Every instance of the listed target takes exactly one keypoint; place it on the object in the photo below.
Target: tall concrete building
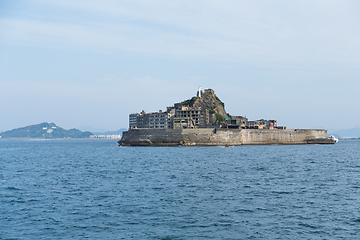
(150, 120)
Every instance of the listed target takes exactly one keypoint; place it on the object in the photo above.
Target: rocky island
(203, 121)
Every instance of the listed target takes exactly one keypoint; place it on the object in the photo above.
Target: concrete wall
(276, 136)
(221, 137)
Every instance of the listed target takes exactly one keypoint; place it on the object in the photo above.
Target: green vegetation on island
(209, 101)
(189, 102)
(44, 131)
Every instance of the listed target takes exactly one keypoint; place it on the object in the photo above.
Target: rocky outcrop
(209, 101)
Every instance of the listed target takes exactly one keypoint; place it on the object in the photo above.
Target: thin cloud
(109, 78)
(235, 31)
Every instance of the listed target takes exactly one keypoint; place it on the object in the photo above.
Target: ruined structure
(202, 120)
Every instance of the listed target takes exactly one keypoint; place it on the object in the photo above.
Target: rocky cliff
(209, 101)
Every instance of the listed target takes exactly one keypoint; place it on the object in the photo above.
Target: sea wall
(222, 137)
(283, 136)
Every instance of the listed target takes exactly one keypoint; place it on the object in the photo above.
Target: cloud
(236, 31)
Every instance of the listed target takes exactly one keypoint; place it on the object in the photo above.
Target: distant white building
(113, 136)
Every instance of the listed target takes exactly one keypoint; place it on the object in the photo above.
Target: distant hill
(347, 133)
(46, 131)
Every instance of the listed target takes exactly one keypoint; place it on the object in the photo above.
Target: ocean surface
(97, 190)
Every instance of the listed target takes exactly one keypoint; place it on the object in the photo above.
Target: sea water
(97, 190)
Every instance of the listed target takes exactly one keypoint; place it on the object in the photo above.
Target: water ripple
(96, 190)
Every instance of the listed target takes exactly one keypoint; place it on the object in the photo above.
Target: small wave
(169, 238)
(308, 225)
(244, 211)
(13, 188)
(17, 201)
(282, 192)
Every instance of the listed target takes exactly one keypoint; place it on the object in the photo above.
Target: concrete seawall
(222, 137)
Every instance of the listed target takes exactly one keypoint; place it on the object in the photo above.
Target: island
(203, 121)
(44, 131)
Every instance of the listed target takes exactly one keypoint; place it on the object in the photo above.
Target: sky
(89, 64)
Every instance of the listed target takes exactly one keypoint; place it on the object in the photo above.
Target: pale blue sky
(79, 63)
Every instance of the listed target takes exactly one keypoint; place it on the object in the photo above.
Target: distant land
(44, 131)
(97, 131)
(346, 133)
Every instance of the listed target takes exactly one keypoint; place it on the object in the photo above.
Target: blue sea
(97, 190)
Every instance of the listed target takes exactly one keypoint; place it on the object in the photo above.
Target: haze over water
(96, 190)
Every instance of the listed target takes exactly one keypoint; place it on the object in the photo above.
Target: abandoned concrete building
(150, 120)
(186, 117)
(182, 115)
(236, 122)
